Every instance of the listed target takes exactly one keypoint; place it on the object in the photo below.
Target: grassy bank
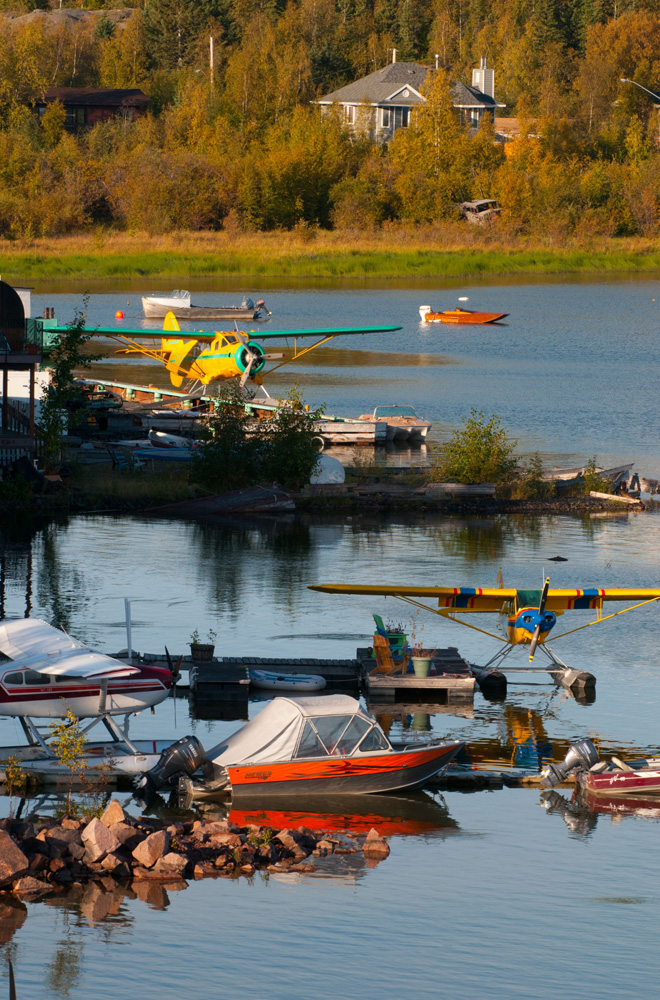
(448, 251)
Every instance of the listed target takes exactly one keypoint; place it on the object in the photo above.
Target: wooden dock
(227, 678)
(452, 681)
(446, 690)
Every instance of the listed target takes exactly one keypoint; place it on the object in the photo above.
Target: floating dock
(451, 681)
(227, 678)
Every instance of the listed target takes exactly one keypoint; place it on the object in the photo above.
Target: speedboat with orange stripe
(308, 746)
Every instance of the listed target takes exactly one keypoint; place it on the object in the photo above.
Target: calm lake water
(510, 893)
(571, 371)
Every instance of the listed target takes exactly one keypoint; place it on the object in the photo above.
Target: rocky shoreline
(50, 856)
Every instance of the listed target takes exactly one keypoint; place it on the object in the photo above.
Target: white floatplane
(44, 673)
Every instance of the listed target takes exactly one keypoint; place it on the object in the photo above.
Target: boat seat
(384, 660)
(620, 764)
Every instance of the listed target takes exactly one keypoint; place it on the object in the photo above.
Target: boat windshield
(375, 740)
(331, 735)
(395, 411)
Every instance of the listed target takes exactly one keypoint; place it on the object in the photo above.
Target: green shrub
(479, 453)
(530, 484)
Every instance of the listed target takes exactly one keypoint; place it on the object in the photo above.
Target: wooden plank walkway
(445, 689)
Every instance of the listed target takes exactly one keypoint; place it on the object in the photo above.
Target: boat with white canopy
(316, 745)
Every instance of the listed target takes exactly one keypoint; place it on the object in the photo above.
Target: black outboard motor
(580, 757)
(182, 758)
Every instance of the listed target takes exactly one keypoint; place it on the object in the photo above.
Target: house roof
(380, 86)
(389, 85)
(88, 97)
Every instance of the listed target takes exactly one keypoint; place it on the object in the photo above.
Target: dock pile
(49, 856)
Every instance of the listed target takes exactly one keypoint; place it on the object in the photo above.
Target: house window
(73, 117)
(401, 118)
(386, 117)
(350, 114)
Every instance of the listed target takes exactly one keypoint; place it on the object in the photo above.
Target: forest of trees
(247, 150)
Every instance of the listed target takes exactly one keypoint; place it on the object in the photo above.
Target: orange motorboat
(458, 315)
(312, 746)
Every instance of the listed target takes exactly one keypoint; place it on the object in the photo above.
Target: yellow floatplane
(529, 615)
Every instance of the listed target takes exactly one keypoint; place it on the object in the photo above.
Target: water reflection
(581, 811)
(12, 917)
(392, 815)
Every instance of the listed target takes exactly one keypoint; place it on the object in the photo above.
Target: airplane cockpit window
(13, 679)
(34, 677)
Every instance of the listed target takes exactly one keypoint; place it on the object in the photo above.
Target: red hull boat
(605, 777)
(629, 778)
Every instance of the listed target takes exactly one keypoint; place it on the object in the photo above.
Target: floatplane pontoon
(44, 673)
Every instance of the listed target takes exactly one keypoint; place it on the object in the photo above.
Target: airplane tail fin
(170, 323)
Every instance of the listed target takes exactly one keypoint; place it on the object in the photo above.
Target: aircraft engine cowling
(245, 356)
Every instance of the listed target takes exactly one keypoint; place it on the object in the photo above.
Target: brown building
(85, 107)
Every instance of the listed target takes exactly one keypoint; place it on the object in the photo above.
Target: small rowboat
(268, 680)
(458, 315)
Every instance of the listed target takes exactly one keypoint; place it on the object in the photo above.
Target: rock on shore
(48, 856)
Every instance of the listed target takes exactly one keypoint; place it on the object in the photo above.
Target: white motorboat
(269, 680)
(179, 303)
(402, 422)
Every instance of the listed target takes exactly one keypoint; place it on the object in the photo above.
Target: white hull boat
(402, 422)
(179, 303)
(109, 758)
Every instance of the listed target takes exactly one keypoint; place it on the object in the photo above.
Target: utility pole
(623, 79)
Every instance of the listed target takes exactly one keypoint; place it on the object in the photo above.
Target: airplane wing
(253, 335)
(572, 599)
(466, 599)
(493, 599)
(337, 331)
(32, 642)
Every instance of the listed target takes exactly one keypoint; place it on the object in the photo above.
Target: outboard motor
(182, 758)
(580, 757)
(247, 303)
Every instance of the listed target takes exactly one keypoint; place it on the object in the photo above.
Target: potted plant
(397, 638)
(421, 657)
(202, 652)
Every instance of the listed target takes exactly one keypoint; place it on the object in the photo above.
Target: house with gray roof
(385, 101)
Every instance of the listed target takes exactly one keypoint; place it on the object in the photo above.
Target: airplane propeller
(537, 630)
(254, 357)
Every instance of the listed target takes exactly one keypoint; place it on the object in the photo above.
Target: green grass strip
(431, 263)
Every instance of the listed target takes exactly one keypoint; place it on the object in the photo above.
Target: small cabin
(85, 107)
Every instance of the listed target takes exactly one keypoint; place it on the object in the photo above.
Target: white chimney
(393, 55)
(437, 61)
(483, 78)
